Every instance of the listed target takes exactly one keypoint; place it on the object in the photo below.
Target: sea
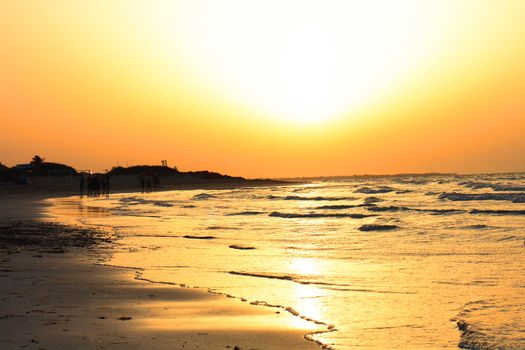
(399, 262)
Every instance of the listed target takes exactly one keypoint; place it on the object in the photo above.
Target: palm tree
(37, 160)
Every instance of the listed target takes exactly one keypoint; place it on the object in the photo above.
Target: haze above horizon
(266, 88)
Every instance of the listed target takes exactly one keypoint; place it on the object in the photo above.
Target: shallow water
(439, 264)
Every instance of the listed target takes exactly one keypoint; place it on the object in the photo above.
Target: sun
(300, 62)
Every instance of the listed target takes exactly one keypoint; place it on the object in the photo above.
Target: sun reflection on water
(304, 266)
(306, 295)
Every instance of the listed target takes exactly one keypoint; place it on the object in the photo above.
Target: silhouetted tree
(37, 160)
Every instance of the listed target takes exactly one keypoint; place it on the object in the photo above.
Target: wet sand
(56, 292)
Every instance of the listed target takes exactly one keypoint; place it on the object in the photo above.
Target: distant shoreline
(387, 176)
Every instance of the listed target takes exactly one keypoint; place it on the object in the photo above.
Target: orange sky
(265, 88)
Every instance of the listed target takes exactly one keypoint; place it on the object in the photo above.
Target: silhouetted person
(107, 185)
(99, 184)
(148, 183)
(102, 180)
(95, 186)
(90, 185)
(142, 179)
(81, 185)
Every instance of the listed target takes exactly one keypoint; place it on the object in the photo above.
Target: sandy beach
(56, 292)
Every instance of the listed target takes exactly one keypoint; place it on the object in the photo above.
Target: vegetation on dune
(5, 173)
(37, 160)
(209, 175)
(39, 167)
(45, 168)
(143, 169)
(164, 171)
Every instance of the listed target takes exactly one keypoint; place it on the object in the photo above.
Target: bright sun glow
(302, 62)
(266, 88)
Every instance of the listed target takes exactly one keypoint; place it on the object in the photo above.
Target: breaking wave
(245, 213)
(375, 227)
(393, 208)
(370, 200)
(303, 198)
(495, 187)
(488, 333)
(512, 197)
(324, 285)
(390, 208)
(497, 212)
(198, 237)
(370, 190)
(221, 228)
(129, 201)
(241, 247)
(318, 215)
(203, 196)
(340, 207)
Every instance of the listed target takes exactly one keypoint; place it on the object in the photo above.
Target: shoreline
(40, 285)
(26, 201)
(41, 189)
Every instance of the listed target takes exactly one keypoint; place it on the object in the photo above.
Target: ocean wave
(370, 200)
(497, 212)
(262, 275)
(198, 237)
(152, 235)
(241, 247)
(324, 285)
(203, 196)
(477, 227)
(162, 204)
(303, 198)
(339, 207)
(390, 208)
(393, 208)
(479, 332)
(138, 213)
(370, 190)
(376, 227)
(472, 339)
(403, 191)
(512, 197)
(221, 228)
(495, 187)
(245, 213)
(129, 201)
(508, 238)
(318, 215)
(442, 211)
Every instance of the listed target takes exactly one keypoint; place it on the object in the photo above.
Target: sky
(265, 88)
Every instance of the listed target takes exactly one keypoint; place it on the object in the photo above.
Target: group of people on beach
(96, 185)
(149, 182)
